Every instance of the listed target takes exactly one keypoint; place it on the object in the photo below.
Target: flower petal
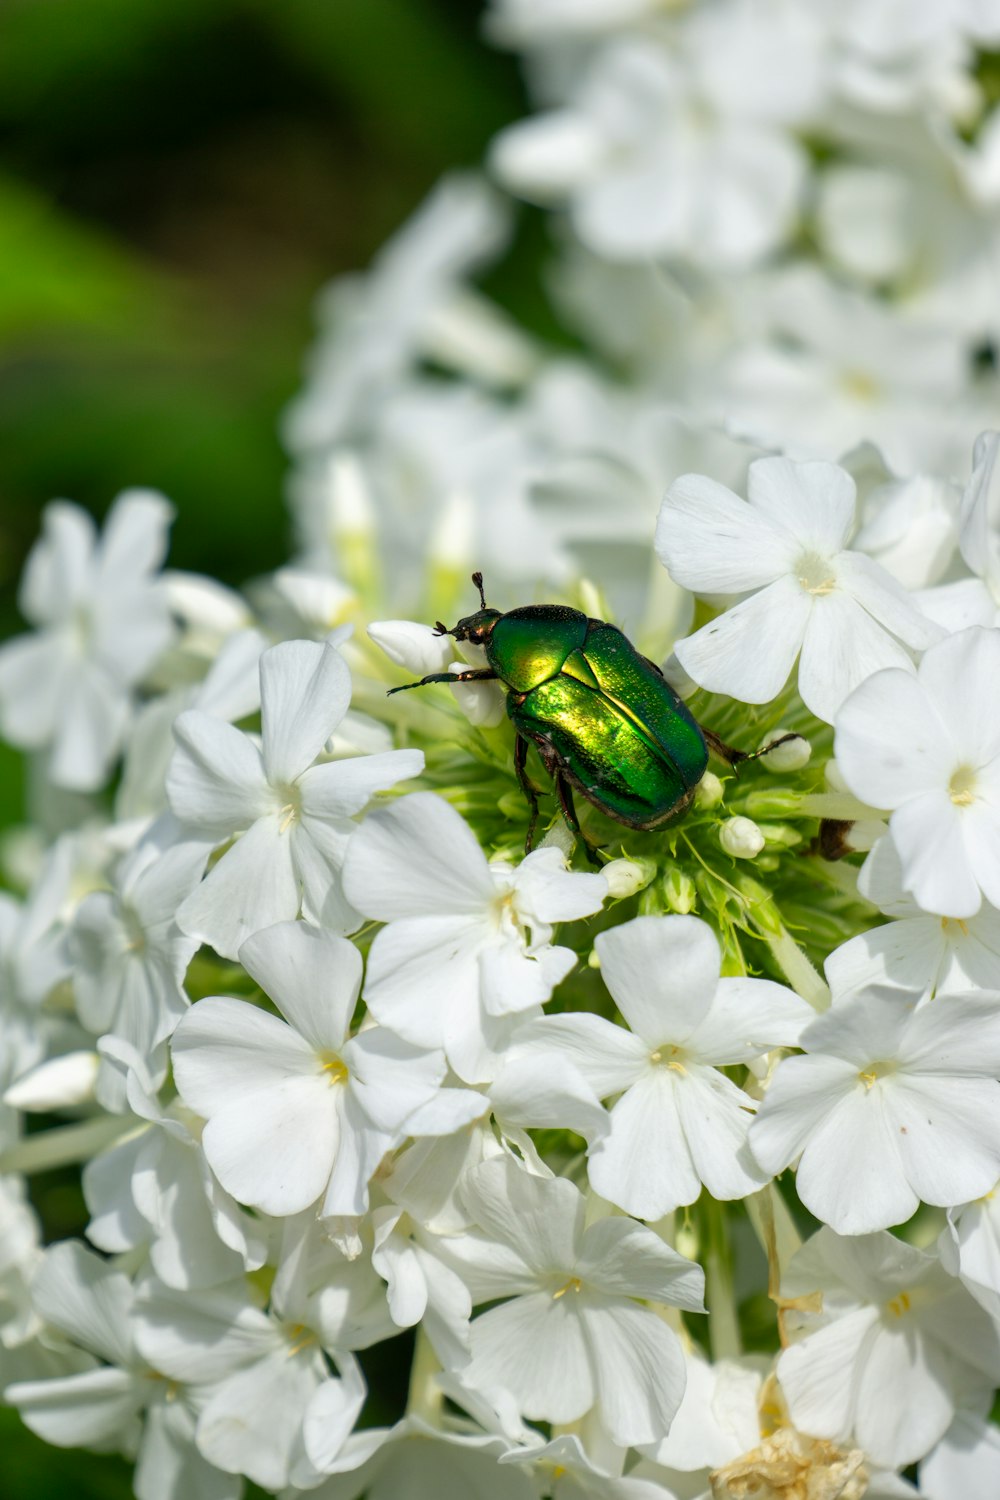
(305, 690)
(419, 833)
(712, 542)
(662, 972)
(312, 976)
(749, 651)
(253, 886)
(216, 782)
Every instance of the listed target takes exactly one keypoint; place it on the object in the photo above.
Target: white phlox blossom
(467, 943)
(678, 1122)
(924, 955)
(969, 1247)
(298, 1109)
(664, 155)
(101, 621)
(110, 1397)
(887, 1106)
(261, 1372)
(129, 956)
(153, 1190)
(927, 747)
(809, 596)
(292, 809)
(33, 961)
(966, 1462)
(896, 1349)
(570, 1335)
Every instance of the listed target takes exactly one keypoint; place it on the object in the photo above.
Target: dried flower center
(815, 574)
(962, 786)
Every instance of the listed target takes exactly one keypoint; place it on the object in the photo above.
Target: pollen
(669, 1059)
(899, 1305)
(574, 1284)
(815, 574)
(334, 1067)
(870, 1076)
(962, 786)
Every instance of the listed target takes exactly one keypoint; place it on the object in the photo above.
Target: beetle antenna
(440, 629)
(477, 579)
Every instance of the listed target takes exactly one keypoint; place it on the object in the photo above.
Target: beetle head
(475, 628)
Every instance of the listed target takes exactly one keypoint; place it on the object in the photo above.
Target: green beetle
(603, 718)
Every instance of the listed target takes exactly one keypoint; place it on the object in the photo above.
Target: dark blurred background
(177, 180)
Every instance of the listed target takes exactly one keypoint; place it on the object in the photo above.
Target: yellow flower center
(962, 786)
(870, 1076)
(334, 1067)
(669, 1057)
(815, 574)
(574, 1284)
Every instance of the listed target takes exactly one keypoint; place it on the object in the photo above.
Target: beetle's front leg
(477, 674)
(738, 757)
(520, 768)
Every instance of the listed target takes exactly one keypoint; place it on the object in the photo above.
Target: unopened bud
(416, 647)
(741, 838)
(791, 756)
(58, 1083)
(679, 891)
(626, 876)
(709, 791)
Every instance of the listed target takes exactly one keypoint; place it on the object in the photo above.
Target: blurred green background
(178, 178)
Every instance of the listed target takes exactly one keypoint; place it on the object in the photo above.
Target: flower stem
(63, 1145)
(720, 1293)
(425, 1397)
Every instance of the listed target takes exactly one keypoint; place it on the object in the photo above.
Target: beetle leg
(520, 768)
(568, 806)
(478, 674)
(738, 757)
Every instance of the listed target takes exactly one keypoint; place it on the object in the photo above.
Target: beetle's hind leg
(739, 757)
(565, 792)
(520, 768)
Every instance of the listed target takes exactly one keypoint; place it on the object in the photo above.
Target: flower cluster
(661, 1160)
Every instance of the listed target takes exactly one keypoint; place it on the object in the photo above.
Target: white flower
(966, 1462)
(421, 1462)
(892, 1105)
(834, 368)
(129, 956)
(101, 1405)
(259, 1374)
(101, 621)
(375, 326)
(658, 157)
(926, 956)
(467, 943)
(292, 809)
(571, 1336)
(928, 748)
(969, 1247)
(153, 1189)
(32, 962)
(678, 1122)
(836, 610)
(897, 1346)
(297, 1109)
